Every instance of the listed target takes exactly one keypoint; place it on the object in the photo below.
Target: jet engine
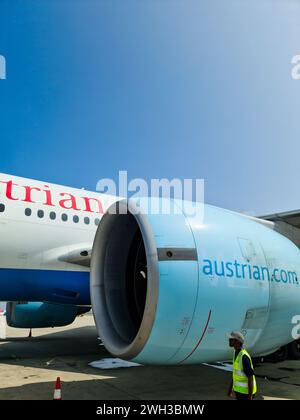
(168, 288)
(41, 314)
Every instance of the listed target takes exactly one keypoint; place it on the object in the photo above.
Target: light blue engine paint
(187, 320)
(39, 314)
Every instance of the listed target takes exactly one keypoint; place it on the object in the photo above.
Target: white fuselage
(46, 238)
(41, 222)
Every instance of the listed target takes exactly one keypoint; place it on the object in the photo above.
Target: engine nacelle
(166, 289)
(41, 314)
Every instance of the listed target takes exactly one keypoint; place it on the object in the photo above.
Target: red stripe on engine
(200, 339)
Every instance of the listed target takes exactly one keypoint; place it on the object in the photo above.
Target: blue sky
(160, 88)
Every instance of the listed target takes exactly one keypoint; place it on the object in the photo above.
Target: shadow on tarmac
(66, 353)
(76, 341)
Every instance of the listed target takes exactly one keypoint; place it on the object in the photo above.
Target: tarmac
(30, 366)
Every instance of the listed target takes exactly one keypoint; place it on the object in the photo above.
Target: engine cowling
(167, 288)
(41, 314)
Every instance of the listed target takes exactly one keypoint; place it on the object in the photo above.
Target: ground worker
(243, 380)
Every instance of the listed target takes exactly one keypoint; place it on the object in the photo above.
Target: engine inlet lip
(131, 350)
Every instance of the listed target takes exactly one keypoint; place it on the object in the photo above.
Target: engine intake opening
(124, 281)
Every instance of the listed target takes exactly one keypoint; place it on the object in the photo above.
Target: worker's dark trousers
(240, 396)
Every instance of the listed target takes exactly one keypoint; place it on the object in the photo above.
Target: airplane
(46, 237)
(163, 288)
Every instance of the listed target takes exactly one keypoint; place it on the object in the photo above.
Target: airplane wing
(290, 217)
(287, 223)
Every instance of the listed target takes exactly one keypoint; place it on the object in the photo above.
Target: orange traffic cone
(57, 391)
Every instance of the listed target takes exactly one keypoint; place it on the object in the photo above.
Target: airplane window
(64, 217)
(75, 219)
(87, 220)
(28, 211)
(52, 215)
(40, 213)
(2, 208)
(97, 221)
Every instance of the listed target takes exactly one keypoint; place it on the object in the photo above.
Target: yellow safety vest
(240, 380)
